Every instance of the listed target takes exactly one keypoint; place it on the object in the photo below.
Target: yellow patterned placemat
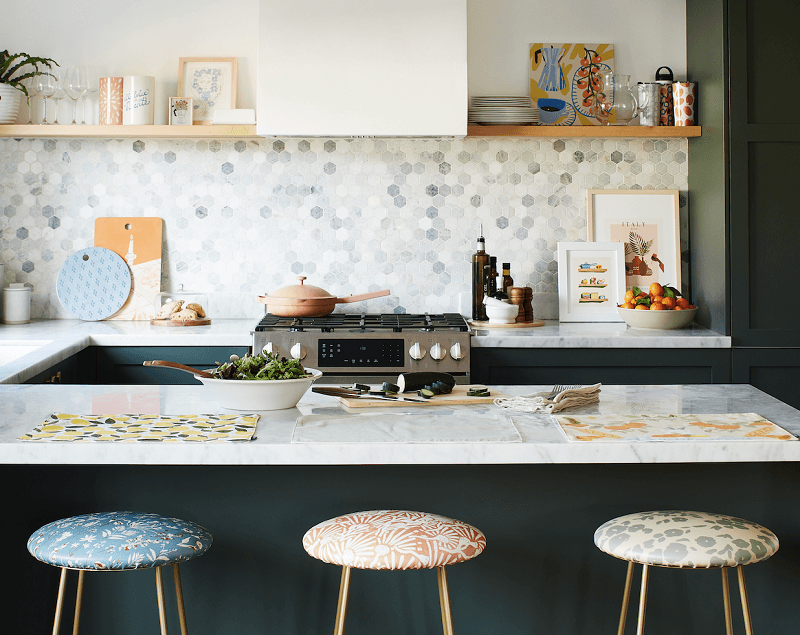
(747, 426)
(150, 428)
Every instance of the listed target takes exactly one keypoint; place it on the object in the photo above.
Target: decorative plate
(93, 283)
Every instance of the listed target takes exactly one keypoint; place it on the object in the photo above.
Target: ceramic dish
(278, 394)
(657, 319)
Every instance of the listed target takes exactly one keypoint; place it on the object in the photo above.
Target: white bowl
(255, 394)
(505, 314)
(657, 319)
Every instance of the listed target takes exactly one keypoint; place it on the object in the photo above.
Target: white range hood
(347, 68)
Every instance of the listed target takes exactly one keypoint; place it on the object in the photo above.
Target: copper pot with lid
(305, 300)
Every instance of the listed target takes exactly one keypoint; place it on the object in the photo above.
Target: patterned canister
(666, 80)
(685, 96)
(138, 99)
(110, 101)
(649, 98)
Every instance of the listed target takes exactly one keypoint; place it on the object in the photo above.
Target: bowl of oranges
(661, 307)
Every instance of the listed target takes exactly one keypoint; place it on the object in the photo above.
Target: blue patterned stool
(686, 540)
(118, 541)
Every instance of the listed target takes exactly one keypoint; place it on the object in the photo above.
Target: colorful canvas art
(566, 84)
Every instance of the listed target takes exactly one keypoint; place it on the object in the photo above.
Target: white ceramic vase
(9, 104)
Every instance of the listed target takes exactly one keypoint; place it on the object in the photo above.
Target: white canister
(138, 100)
(649, 98)
(17, 303)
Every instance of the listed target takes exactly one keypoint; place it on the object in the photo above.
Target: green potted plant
(12, 75)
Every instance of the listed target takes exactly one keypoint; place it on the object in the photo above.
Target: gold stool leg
(444, 601)
(643, 599)
(179, 597)
(626, 596)
(62, 587)
(78, 603)
(726, 601)
(341, 609)
(162, 613)
(748, 625)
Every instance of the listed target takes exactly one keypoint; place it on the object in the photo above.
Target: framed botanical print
(211, 84)
(591, 281)
(647, 222)
(180, 111)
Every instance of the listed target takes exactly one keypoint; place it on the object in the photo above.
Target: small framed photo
(648, 223)
(180, 111)
(211, 84)
(591, 281)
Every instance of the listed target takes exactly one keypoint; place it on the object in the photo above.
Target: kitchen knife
(354, 394)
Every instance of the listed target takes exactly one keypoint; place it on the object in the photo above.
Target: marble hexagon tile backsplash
(243, 218)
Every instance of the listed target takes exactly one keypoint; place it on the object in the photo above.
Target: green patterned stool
(686, 540)
(119, 541)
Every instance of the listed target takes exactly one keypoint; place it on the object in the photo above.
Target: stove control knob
(268, 348)
(456, 352)
(298, 351)
(437, 352)
(416, 351)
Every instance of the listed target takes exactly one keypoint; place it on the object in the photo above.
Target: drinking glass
(60, 92)
(30, 86)
(93, 82)
(45, 86)
(76, 85)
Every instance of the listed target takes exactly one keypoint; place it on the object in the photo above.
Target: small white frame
(604, 284)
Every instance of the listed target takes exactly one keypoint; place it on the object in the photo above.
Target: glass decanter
(618, 104)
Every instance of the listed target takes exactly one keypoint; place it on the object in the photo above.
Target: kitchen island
(538, 502)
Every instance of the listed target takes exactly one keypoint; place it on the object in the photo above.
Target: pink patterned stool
(393, 539)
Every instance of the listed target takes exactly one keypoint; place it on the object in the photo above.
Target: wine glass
(60, 92)
(45, 86)
(30, 86)
(93, 82)
(76, 85)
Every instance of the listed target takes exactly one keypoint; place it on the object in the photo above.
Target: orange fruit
(691, 306)
(641, 295)
(629, 305)
(628, 296)
(657, 298)
(678, 308)
(656, 289)
(657, 306)
(669, 303)
(682, 302)
(642, 307)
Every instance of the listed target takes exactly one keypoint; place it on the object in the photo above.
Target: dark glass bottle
(479, 259)
(508, 281)
(493, 276)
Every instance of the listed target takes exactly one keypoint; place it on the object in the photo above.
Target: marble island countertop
(28, 349)
(25, 406)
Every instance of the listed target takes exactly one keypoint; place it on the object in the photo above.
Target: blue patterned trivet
(93, 283)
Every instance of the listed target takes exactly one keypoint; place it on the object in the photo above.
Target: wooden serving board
(203, 322)
(478, 324)
(456, 398)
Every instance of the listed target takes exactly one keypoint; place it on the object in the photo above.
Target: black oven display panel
(364, 353)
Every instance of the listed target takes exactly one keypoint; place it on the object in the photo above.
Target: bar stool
(396, 540)
(686, 540)
(119, 541)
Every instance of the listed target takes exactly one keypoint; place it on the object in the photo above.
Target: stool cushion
(687, 540)
(118, 540)
(392, 539)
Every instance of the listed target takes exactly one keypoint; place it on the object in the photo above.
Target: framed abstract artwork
(591, 281)
(647, 222)
(211, 84)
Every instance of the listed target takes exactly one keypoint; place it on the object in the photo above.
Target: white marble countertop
(28, 349)
(25, 406)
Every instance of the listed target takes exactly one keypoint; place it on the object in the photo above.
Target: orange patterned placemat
(747, 426)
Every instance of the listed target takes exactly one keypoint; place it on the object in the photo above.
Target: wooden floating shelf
(79, 131)
(249, 132)
(593, 132)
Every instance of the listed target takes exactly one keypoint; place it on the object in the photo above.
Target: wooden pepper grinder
(522, 297)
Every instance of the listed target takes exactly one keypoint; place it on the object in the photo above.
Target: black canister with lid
(666, 112)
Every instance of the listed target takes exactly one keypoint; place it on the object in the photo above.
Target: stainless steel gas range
(370, 348)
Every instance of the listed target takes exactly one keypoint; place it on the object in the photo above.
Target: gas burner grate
(396, 322)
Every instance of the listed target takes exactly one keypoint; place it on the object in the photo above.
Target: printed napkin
(147, 428)
(661, 427)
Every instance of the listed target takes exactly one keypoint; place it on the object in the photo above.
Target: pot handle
(363, 296)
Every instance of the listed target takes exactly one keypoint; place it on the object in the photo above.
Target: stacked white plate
(499, 110)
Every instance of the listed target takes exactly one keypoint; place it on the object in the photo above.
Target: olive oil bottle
(479, 259)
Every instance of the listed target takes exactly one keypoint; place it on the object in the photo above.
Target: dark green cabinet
(64, 372)
(123, 364)
(536, 366)
(776, 371)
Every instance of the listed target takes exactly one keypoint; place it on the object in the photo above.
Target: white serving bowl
(254, 394)
(501, 313)
(657, 319)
